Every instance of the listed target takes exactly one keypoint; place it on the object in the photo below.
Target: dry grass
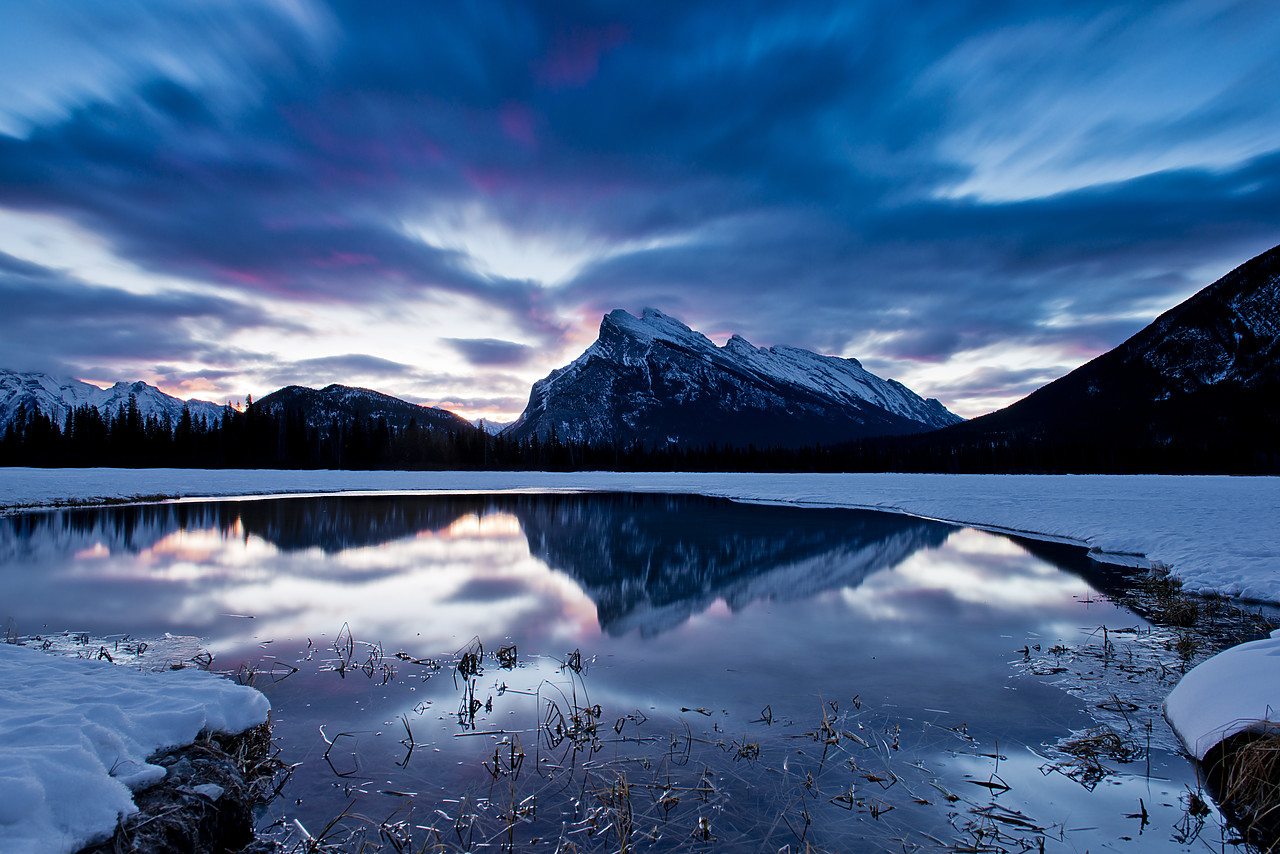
(1244, 773)
(569, 775)
(1085, 754)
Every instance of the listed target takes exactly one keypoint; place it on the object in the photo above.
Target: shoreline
(1217, 534)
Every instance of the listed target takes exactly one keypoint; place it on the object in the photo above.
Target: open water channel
(605, 671)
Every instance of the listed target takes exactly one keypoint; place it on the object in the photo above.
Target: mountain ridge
(654, 380)
(324, 407)
(58, 396)
(1200, 382)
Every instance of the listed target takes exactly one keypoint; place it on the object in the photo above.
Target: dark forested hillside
(1197, 390)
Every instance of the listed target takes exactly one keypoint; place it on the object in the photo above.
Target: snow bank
(1216, 533)
(1237, 690)
(75, 735)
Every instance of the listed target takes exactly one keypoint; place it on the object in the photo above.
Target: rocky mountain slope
(653, 380)
(1203, 378)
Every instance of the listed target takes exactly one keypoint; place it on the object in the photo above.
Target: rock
(205, 803)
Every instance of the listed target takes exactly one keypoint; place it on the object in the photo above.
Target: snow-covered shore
(75, 735)
(1235, 691)
(1215, 533)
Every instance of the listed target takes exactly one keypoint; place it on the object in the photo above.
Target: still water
(594, 671)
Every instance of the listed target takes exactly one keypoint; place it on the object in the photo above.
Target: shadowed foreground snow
(1216, 533)
(75, 735)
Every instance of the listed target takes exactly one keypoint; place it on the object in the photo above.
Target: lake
(560, 671)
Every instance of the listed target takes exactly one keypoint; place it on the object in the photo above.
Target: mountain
(339, 404)
(57, 396)
(654, 380)
(493, 428)
(1201, 384)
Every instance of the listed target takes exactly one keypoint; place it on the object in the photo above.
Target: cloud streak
(52, 320)
(491, 351)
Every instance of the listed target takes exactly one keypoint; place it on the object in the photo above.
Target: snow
(57, 396)
(1235, 691)
(839, 379)
(653, 325)
(75, 735)
(493, 428)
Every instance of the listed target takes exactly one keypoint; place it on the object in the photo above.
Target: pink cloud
(336, 260)
(517, 124)
(246, 277)
(574, 57)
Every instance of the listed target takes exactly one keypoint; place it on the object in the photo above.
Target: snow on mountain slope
(840, 379)
(493, 428)
(655, 380)
(1227, 333)
(58, 396)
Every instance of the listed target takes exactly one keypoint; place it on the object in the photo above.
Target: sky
(441, 200)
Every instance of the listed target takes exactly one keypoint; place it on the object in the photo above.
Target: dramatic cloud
(490, 351)
(909, 183)
(354, 363)
(53, 321)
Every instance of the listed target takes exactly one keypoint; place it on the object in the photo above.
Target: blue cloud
(490, 351)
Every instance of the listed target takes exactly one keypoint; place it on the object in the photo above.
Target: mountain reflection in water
(647, 562)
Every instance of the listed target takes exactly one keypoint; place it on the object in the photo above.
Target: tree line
(258, 437)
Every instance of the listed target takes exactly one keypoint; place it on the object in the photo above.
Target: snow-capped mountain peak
(626, 337)
(651, 378)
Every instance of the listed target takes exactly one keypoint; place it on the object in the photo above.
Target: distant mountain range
(321, 408)
(57, 396)
(650, 379)
(655, 381)
(493, 428)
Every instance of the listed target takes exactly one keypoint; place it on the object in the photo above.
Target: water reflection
(646, 563)
(695, 614)
(650, 564)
